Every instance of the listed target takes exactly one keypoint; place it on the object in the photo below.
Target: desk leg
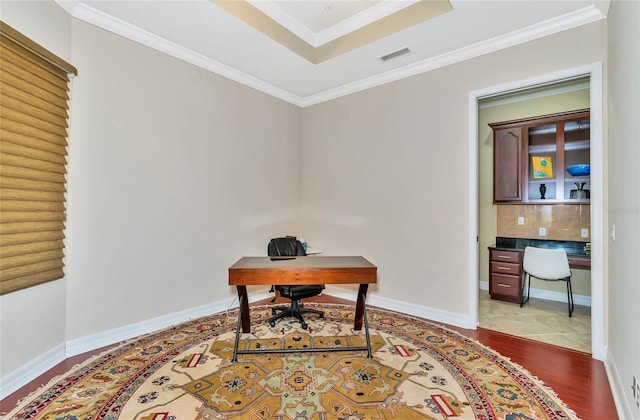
(238, 325)
(360, 311)
(361, 316)
(243, 301)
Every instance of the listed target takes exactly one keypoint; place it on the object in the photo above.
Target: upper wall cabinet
(542, 159)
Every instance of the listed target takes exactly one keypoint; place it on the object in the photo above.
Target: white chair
(546, 264)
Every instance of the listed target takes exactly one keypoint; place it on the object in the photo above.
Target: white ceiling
(200, 32)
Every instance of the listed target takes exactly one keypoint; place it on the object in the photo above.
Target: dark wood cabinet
(507, 169)
(505, 275)
(555, 140)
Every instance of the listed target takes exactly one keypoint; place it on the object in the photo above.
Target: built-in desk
(505, 263)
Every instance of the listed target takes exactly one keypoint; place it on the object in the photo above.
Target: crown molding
(565, 22)
(88, 14)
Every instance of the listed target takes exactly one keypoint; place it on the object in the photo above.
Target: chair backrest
(287, 246)
(548, 264)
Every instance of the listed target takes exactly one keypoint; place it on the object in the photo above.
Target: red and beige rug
(419, 370)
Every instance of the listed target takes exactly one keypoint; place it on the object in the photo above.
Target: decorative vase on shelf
(543, 191)
(580, 193)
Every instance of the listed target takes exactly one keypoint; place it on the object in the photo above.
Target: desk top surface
(301, 262)
(302, 270)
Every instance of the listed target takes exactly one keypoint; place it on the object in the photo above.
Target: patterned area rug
(419, 370)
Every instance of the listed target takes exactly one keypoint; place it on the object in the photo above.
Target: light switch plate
(520, 220)
(542, 231)
(584, 233)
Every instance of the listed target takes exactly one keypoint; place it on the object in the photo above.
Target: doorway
(592, 76)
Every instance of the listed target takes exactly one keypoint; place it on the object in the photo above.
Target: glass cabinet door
(543, 163)
(577, 159)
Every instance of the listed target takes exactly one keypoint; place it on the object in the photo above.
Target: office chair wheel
(272, 323)
(321, 316)
(305, 326)
(273, 311)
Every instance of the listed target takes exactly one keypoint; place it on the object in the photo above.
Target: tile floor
(540, 320)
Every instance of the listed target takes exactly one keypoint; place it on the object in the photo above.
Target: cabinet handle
(504, 268)
(506, 257)
(504, 285)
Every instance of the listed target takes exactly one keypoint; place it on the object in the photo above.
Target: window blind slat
(23, 270)
(24, 97)
(19, 283)
(30, 238)
(29, 259)
(29, 173)
(27, 130)
(27, 141)
(25, 110)
(33, 157)
(23, 205)
(30, 216)
(25, 232)
(25, 118)
(15, 82)
(32, 247)
(31, 195)
(32, 153)
(30, 184)
(24, 162)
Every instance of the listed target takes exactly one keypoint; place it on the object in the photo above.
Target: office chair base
(294, 311)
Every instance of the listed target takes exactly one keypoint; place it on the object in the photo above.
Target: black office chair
(286, 247)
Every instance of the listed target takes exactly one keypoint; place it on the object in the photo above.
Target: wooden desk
(249, 271)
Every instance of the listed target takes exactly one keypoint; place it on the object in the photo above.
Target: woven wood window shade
(34, 88)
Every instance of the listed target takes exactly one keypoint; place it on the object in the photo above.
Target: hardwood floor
(578, 380)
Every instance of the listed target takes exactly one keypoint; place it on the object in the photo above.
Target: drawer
(506, 256)
(499, 267)
(505, 285)
(580, 262)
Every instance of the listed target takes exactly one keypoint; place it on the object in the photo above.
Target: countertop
(573, 248)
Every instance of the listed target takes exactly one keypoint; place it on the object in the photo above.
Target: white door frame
(598, 243)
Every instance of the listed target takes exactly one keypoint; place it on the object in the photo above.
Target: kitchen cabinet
(531, 157)
(505, 275)
(507, 174)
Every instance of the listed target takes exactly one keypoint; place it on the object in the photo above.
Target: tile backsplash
(561, 222)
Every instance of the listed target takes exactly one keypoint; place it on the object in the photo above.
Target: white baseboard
(13, 381)
(581, 300)
(116, 335)
(437, 315)
(126, 332)
(624, 407)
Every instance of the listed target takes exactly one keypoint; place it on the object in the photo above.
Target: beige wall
(32, 322)
(174, 173)
(624, 200)
(386, 169)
